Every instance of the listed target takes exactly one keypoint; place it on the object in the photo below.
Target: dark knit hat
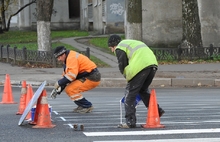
(114, 40)
(59, 51)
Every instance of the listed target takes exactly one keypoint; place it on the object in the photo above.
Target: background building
(161, 19)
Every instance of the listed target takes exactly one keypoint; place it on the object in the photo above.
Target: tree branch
(8, 24)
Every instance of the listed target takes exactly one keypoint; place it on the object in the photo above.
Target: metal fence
(14, 55)
(204, 53)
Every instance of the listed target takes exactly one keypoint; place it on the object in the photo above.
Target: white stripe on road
(71, 126)
(63, 118)
(156, 132)
(55, 112)
(172, 140)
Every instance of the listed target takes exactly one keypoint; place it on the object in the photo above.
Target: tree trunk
(2, 14)
(44, 12)
(133, 22)
(191, 24)
(1, 31)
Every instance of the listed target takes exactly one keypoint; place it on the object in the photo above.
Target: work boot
(77, 109)
(85, 110)
(126, 126)
(160, 111)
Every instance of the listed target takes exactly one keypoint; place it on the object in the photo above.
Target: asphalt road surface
(192, 114)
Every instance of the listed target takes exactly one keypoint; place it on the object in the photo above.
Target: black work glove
(60, 89)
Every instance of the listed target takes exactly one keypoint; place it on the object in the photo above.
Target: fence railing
(205, 53)
(13, 54)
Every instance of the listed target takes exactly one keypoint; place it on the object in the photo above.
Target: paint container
(137, 100)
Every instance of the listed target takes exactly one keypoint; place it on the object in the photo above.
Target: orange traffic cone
(153, 119)
(36, 113)
(22, 104)
(7, 97)
(42, 114)
(29, 95)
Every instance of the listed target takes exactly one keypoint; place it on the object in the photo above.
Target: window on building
(74, 8)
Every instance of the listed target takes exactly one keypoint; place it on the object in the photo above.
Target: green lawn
(28, 39)
(16, 37)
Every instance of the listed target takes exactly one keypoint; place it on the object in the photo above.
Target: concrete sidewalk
(187, 75)
(176, 75)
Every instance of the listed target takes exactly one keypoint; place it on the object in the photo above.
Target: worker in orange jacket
(79, 74)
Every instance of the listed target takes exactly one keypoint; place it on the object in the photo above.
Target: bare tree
(1, 31)
(2, 14)
(133, 19)
(4, 4)
(191, 24)
(44, 12)
(9, 20)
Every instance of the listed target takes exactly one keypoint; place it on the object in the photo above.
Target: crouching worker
(79, 74)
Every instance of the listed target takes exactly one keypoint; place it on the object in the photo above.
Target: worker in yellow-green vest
(138, 65)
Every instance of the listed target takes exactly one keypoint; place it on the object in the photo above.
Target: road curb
(157, 82)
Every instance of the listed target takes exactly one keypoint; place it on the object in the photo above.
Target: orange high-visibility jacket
(76, 66)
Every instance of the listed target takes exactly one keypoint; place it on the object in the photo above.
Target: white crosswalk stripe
(172, 140)
(155, 132)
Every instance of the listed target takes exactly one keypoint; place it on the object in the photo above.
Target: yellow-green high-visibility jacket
(139, 56)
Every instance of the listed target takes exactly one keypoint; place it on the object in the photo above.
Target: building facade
(161, 19)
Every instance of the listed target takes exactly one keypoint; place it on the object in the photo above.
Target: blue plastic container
(138, 99)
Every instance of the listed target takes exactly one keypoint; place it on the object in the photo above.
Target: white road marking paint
(71, 126)
(172, 140)
(63, 118)
(55, 112)
(156, 132)
(213, 121)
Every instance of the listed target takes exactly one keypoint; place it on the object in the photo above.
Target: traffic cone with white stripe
(29, 96)
(42, 114)
(22, 104)
(153, 119)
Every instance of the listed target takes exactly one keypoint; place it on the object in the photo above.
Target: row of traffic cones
(42, 117)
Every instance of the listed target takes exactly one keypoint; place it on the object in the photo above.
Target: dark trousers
(138, 85)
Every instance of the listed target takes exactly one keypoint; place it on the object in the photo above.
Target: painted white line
(94, 117)
(156, 132)
(172, 140)
(63, 118)
(217, 121)
(55, 112)
(71, 126)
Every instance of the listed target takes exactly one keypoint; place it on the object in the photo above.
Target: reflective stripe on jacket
(139, 57)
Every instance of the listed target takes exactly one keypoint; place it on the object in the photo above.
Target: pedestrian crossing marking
(156, 132)
(171, 140)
